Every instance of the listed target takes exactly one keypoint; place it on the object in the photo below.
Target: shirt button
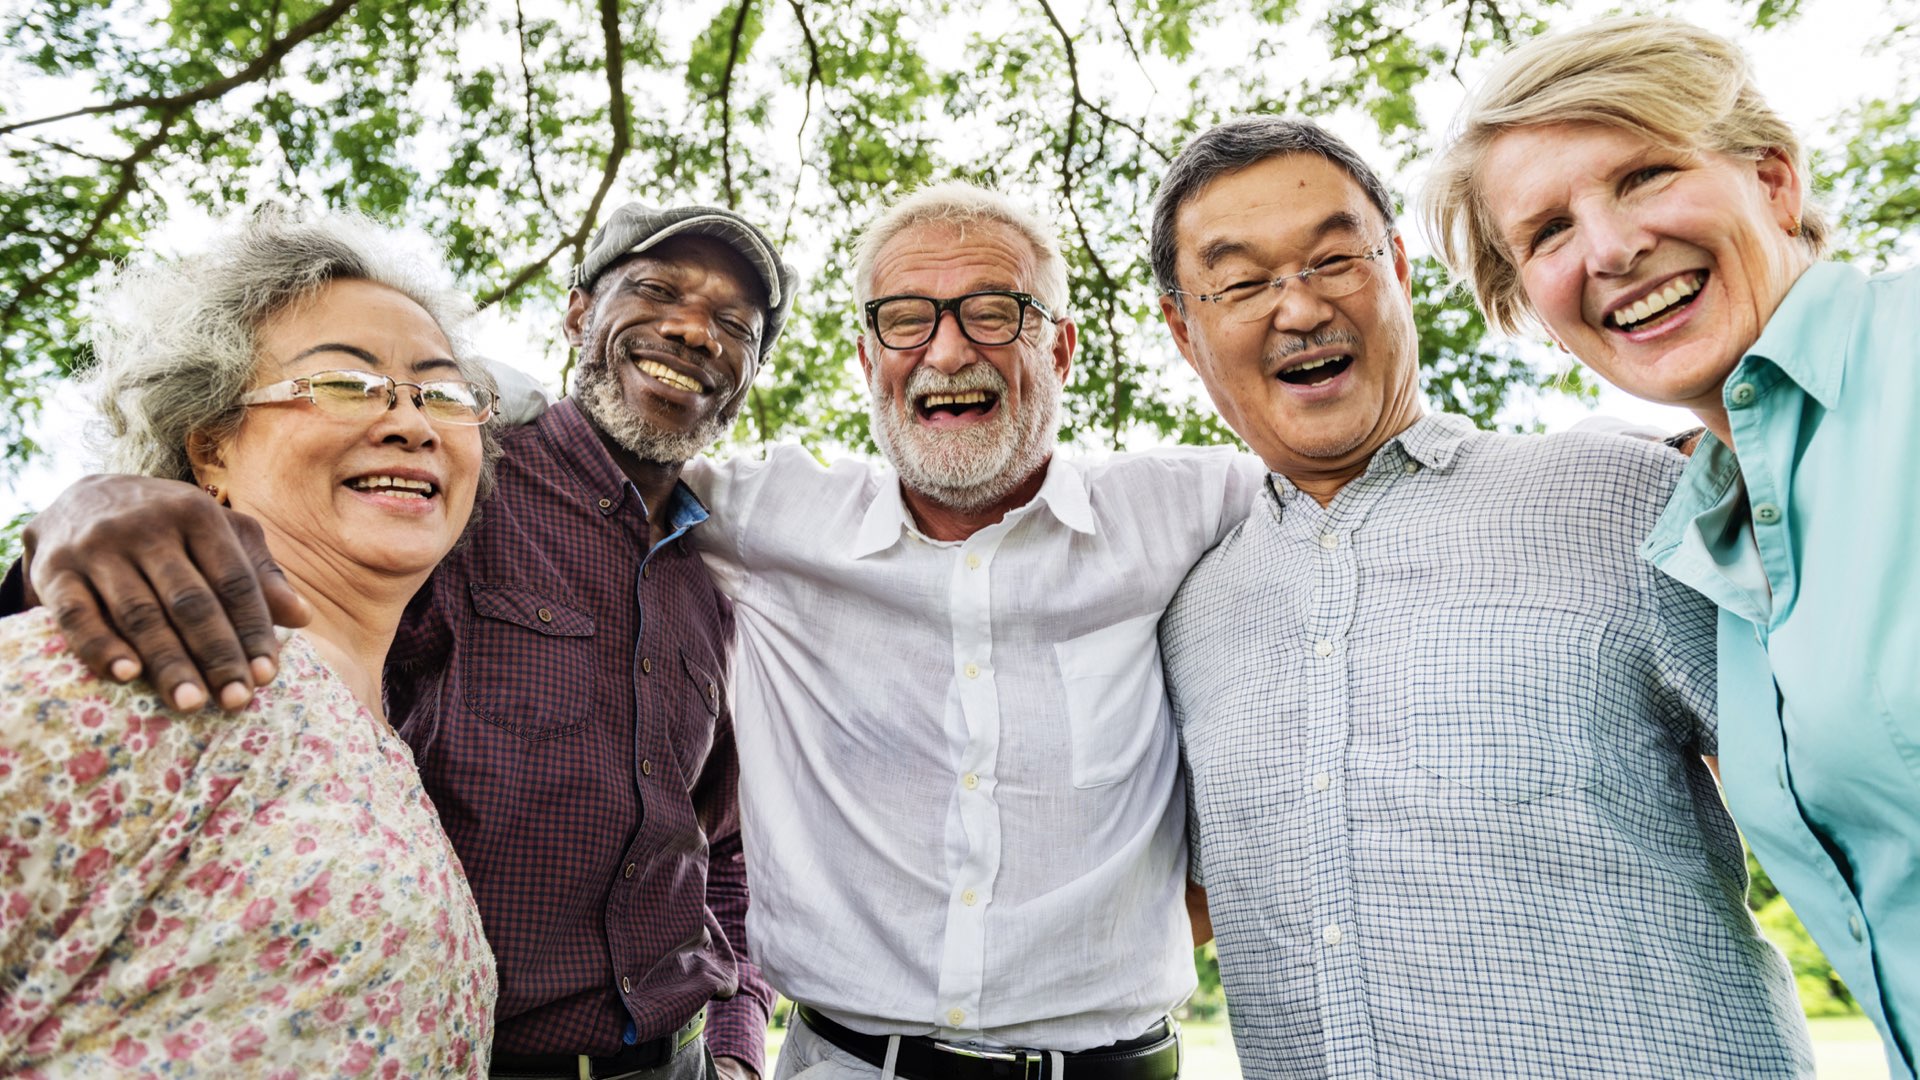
(1410, 468)
(955, 1017)
(1329, 541)
(545, 615)
(1321, 781)
(1858, 931)
(713, 692)
(973, 562)
(628, 872)
(646, 571)
(646, 665)
(973, 671)
(1332, 935)
(1742, 395)
(626, 985)
(1323, 648)
(970, 781)
(646, 767)
(606, 504)
(969, 898)
(1766, 514)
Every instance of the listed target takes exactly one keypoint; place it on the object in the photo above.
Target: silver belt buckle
(979, 1052)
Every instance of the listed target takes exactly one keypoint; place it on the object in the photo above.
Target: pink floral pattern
(198, 895)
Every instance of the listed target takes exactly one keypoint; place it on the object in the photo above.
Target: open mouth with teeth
(398, 487)
(956, 404)
(1657, 307)
(669, 376)
(1315, 372)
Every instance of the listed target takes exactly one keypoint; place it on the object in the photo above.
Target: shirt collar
(1800, 337)
(577, 447)
(1064, 492)
(1431, 442)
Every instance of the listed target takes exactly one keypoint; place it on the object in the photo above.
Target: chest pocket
(704, 694)
(1501, 699)
(1116, 699)
(527, 662)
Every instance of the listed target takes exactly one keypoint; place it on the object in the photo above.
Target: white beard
(597, 392)
(967, 470)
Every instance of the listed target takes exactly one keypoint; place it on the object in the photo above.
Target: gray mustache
(1289, 347)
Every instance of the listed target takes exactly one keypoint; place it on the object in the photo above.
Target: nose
(1614, 241)
(949, 351)
(405, 421)
(690, 326)
(1300, 310)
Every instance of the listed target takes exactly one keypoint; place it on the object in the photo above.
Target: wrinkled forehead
(942, 258)
(1274, 209)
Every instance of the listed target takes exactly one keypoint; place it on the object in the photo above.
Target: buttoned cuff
(737, 1027)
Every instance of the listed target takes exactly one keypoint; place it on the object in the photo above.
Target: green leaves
(499, 128)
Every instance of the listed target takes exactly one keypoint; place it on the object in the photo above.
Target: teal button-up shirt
(1810, 544)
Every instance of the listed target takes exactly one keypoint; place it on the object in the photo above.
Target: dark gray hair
(1233, 145)
(175, 344)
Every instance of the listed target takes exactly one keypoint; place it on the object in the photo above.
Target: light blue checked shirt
(1444, 740)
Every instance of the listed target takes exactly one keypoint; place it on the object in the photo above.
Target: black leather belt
(630, 1060)
(1153, 1056)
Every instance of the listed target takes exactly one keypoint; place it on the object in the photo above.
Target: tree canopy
(507, 129)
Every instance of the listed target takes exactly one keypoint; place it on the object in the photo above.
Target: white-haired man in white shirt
(960, 784)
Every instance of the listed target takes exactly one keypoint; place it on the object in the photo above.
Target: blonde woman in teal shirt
(1625, 187)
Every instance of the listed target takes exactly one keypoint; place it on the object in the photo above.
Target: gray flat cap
(635, 227)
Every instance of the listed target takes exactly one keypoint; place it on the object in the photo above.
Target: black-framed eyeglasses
(363, 395)
(1331, 278)
(990, 317)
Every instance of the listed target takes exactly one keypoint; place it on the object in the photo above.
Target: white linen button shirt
(960, 785)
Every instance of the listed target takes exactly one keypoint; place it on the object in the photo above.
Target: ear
(1783, 186)
(1177, 323)
(1402, 266)
(208, 456)
(866, 363)
(1066, 337)
(574, 323)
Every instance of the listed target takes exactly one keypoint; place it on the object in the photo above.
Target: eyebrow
(430, 364)
(1217, 251)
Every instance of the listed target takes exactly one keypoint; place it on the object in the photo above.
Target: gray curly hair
(175, 344)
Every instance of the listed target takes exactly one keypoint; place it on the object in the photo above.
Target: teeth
(970, 397)
(393, 485)
(667, 375)
(1320, 363)
(1677, 290)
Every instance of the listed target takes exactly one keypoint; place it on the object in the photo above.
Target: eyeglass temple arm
(291, 390)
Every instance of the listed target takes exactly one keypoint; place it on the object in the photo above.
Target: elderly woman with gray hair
(1627, 188)
(269, 894)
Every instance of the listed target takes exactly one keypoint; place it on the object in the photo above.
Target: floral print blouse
(203, 895)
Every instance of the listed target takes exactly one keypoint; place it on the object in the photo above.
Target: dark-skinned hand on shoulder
(153, 576)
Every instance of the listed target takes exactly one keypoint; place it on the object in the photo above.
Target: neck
(352, 639)
(1322, 478)
(654, 480)
(942, 522)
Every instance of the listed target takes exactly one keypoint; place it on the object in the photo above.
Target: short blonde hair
(1666, 80)
(963, 205)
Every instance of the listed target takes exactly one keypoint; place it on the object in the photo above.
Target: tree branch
(1112, 288)
(726, 103)
(129, 168)
(622, 141)
(260, 67)
(1080, 99)
(526, 81)
(814, 78)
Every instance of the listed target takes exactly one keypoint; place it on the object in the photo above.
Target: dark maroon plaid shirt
(562, 687)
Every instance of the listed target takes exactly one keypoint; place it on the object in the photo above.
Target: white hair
(962, 205)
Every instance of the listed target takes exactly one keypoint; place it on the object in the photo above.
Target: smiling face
(340, 496)
(1656, 268)
(670, 339)
(966, 425)
(1320, 384)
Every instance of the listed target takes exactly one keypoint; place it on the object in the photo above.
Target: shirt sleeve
(13, 590)
(1685, 651)
(737, 1026)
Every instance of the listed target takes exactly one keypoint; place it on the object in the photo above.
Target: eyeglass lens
(908, 322)
(1329, 281)
(356, 393)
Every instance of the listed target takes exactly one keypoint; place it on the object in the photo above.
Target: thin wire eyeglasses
(991, 317)
(363, 395)
(1329, 279)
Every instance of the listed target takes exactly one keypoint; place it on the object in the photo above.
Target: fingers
(138, 615)
(89, 633)
(199, 596)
